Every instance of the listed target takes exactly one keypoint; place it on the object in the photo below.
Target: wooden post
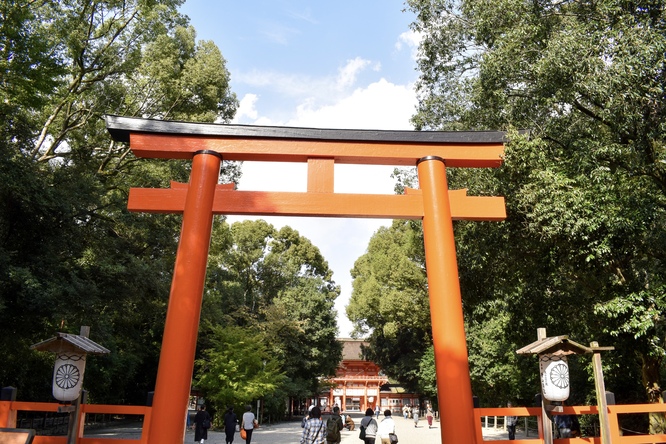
(545, 404)
(176, 365)
(448, 329)
(600, 386)
(76, 419)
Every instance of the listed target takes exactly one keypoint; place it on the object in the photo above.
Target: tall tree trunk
(651, 382)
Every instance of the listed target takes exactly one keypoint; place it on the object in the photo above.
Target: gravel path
(290, 433)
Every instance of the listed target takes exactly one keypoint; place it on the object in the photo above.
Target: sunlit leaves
(238, 368)
(586, 190)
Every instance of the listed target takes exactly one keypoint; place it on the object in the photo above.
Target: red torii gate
(208, 144)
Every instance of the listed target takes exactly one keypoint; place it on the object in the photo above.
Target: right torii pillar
(454, 389)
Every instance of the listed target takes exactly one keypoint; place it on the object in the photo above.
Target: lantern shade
(554, 377)
(68, 376)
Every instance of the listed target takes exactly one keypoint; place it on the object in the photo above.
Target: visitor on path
(307, 416)
(429, 415)
(349, 423)
(369, 425)
(201, 424)
(314, 431)
(567, 426)
(230, 422)
(377, 412)
(415, 415)
(405, 411)
(386, 427)
(248, 423)
(333, 427)
(511, 422)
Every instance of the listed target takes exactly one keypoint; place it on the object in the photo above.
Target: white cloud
(246, 107)
(290, 87)
(412, 40)
(348, 73)
(381, 105)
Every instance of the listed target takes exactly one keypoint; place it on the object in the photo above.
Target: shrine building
(360, 384)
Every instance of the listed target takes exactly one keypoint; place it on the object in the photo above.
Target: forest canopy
(581, 252)
(72, 255)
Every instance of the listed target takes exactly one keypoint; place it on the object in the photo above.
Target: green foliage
(390, 301)
(70, 253)
(428, 376)
(581, 252)
(238, 368)
(278, 283)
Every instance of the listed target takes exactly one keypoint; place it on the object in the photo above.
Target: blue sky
(322, 64)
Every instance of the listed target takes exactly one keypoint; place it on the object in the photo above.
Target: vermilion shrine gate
(208, 144)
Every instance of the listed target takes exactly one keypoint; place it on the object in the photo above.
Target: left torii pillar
(182, 320)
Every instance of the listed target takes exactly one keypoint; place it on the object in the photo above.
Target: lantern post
(554, 370)
(71, 351)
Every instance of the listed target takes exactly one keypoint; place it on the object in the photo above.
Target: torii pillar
(446, 314)
(207, 144)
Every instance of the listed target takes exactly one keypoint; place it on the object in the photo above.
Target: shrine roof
(120, 128)
(351, 349)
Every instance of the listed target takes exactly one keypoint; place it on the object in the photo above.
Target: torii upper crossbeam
(321, 149)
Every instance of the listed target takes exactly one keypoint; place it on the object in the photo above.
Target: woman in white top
(385, 427)
(248, 423)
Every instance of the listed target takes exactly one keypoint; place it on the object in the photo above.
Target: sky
(319, 64)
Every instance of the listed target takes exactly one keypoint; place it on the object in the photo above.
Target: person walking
(386, 427)
(511, 422)
(230, 422)
(333, 427)
(314, 431)
(415, 414)
(429, 415)
(369, 424)
(201, 424)
(377, 411)
(248, 423)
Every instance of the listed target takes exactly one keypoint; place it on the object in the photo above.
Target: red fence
(9, 409)
(616, 436)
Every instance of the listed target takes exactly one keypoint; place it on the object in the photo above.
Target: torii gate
(208, 144)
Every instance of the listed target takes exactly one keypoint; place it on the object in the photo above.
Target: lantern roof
(555, 345)
(66, 342)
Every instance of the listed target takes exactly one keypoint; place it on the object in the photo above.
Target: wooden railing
(9, 410)
(616, 433)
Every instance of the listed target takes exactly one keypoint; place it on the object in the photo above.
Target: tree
(238, 368)
(585, 191)
(390, 301)
(277, 283)
(70, 252)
